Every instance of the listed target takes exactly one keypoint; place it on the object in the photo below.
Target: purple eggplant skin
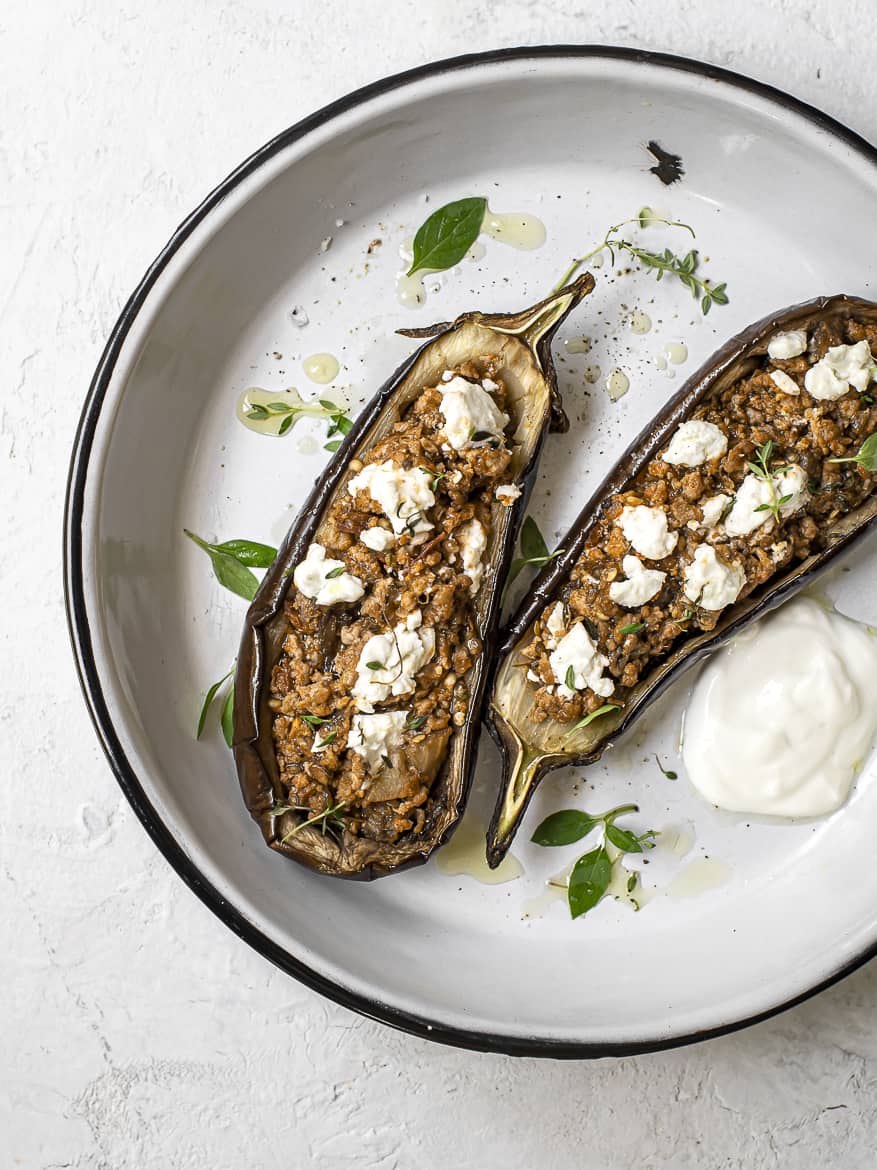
(525, 338)
(525, 761)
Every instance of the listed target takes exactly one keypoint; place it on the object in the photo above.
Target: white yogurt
(781, 719)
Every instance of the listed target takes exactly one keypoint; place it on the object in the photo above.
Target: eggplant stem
(547, 315)
(515, 796)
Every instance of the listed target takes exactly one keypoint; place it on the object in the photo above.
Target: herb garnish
(315, 720)
(569, 680)
(533, 548)
(684, 268)
(375, 665)
(447, 235)
(335, 572)
(670, 775)
(327, 819)
(604, 710)
(633, 629)
(230, 560)
(416, 723)
(682, 622)
(590, 876)
(330, 738)
(208, 700)
(291, 412)
(761, 467)
(866, 456)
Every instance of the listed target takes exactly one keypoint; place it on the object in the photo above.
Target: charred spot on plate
(668, 166)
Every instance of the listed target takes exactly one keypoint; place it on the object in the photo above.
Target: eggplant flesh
(531, 749)
(522, 342)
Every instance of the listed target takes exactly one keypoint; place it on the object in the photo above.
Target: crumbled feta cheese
(783, 346)
(468, 411)
(711, 583)
(375, 736)
(473, 541)
(576, 650)
(311, 578)
(416, 645)
(646, 529)
(694, 443)
(554, 625)
(507, 493)
(783, 382)
(319, 744)
(749, 511)
(842, 366)
(377, 539)
(641, 585)
(712, 509)
(404, 496)
(533, 676)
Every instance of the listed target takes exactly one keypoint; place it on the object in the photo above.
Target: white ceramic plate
(783, 200)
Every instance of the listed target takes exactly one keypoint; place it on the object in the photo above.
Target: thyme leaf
(604, 710)
(326, 819)
(866, 456)
(670, 775)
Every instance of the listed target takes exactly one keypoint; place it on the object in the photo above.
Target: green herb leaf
(532, 542)
(604, 710)
(447, 235)
(315, 720)
(279, 408)
(866, 456)
(588, 881)
(249, 552)
(622, 839)
(228, 570)
(227, 718)
(330, 738)
(333, 446)
(334, 573)
(633, 629)
(564, 827)
(256, 412)
(416, 723)
(375, 665)
(570, 679)
(285, 424)
(208, 699)
(670, 775)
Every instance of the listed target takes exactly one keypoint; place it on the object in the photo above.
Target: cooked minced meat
(372, 678)
(701, 526)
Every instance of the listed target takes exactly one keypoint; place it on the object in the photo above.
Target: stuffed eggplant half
(364, 657)
(751, 480)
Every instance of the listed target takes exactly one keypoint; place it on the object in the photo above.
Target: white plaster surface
(135, 1030)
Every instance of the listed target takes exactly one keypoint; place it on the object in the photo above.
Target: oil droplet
(307, 445)
(617, 384)
(578, 345)
(410, 290)
(257, 402)
(640, 322)
(555, 891)
(339, 396)
(596, 261)
(676, 351)
(321, 368)
(477, 251)
(515, 228)
(465, 854)
(698, 877)
(592, 374)
(661, 362)
(676, 840)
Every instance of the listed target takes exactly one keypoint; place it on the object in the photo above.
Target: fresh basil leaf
(229, 572)
(227, 719)
(564, 827)
(249, 552)
(588, 881)
(532, 541)
(208, 699)
(447, 235)
(622, 839)
(344, 424)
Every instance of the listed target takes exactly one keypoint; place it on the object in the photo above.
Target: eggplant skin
(526, 338)
(524, 761)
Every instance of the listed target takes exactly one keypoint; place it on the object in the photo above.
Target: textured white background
(135, 1031)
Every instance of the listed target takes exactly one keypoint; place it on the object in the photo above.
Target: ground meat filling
(372, 680)
(699, 528)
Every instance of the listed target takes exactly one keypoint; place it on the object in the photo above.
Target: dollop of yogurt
(780, 720)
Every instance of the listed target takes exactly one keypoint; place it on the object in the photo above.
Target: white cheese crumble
(749, 511)
(695, 442)
(641, 585)
(507, 493)
(473, 541)
(377, 539)
(311, 577)
(319, 744)
(375, 736)
(576, 650)
(783, 346)
(404, 496)
(394, 676)
(842, 366)
(554, 626)
(710, 583)
(783, 382)
(712, 509)
(646, 529)
(469, 410)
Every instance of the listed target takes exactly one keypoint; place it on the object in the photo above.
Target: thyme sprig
(291, 412)
(866, 456)
(667, 263)
(330, 817)
(761, 467)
